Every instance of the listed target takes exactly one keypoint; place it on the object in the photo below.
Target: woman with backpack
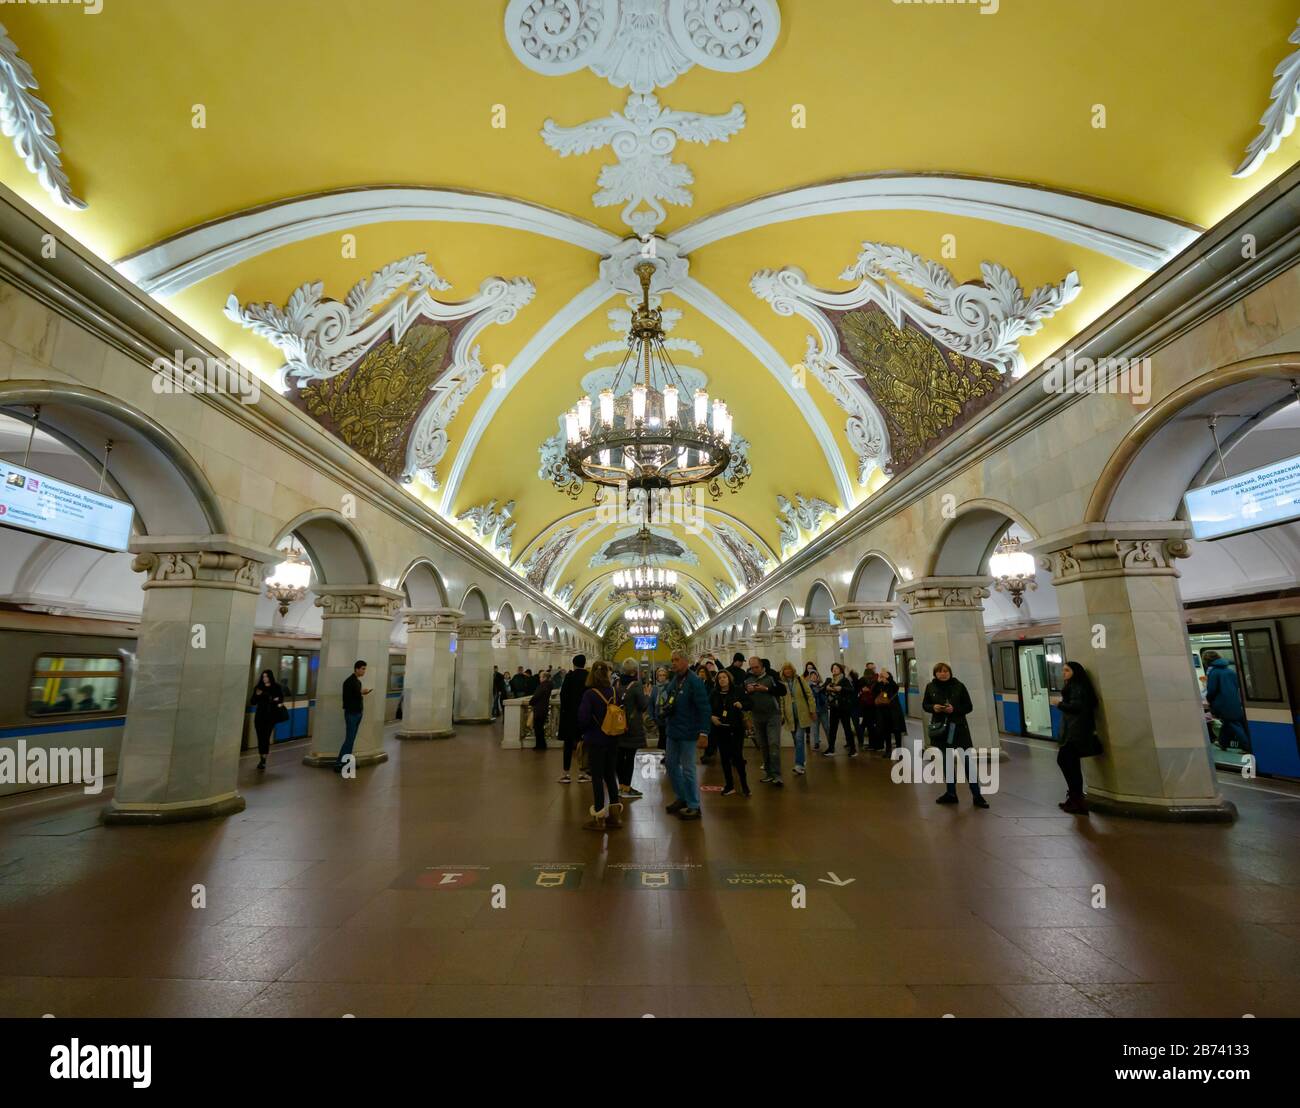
(1078, 734)
(601, 721)
(889, 712)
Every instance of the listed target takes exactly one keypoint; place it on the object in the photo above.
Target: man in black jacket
(518, 683)
(354, 706)
(575, 684)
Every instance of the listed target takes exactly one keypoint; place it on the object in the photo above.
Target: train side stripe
(54, 728)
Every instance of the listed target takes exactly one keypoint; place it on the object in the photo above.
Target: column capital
(1094, 551)
(475, 629)
(201, 561)
(876, 613)
(812, 627)
(945, 594)
(358, 601)
(432, 619)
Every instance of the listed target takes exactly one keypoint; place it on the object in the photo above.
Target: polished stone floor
(375, 897)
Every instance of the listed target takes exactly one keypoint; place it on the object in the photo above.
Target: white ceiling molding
(1139, 238)
(555, 328)
(641, 44)
(725, 316)
(983, 320)
(979, 319)
(643, 137)
(494, 529)
(173, 265)
(1279, 117)
(27, 120)
(805, 514)
(748, 564)
(322, 337)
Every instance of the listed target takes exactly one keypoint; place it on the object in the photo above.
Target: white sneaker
(799, 770)
(583, 778)
(565, 779)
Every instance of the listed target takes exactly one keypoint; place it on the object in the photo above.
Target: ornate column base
(1177, 811)
(320, 758)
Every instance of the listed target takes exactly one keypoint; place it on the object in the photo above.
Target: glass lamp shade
(571, 426)
(584, 413)
(291, 575)
(701, 407)
(607, 407)
(638, 403)
(1010, 562)
(670, 404)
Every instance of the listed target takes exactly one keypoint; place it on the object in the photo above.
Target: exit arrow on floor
(835, 880)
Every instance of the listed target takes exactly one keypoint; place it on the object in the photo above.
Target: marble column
(356, 623)
(1122, 620)
(511, 655)
(760, 646)
(475, 658)
(430, 673)
(869, 628)
(821, 644)
(948, 626)
(180, 748)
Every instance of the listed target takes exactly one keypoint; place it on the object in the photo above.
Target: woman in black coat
(727, 711)
(1078, 734)
(267, 702)
(636, 704)
(948, 702)
(841, 696)
(889, 712)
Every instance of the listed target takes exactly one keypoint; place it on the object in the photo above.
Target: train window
(1009, 679)
(1258, 664)
(396, 676)
(1055, 651)
(911, 672)
(69, 685)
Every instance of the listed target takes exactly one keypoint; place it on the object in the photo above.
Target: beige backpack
(615, 721)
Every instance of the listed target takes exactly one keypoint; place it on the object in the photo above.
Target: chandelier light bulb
(701, 407)
(607, 407)
(571, 426)
(584, 414)
(638, 403)
(670, 404)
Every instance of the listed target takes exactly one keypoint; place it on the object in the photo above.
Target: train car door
(1257, 645)
(295, 671)
(1035, 698)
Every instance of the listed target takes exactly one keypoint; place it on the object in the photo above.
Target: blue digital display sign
(646, 642)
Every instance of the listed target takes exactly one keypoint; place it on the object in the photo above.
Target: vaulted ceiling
(896, 180)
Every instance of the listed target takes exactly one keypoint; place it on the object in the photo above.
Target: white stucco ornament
(643, 136)
(26, 119)
(1279, 118)
(641, 44)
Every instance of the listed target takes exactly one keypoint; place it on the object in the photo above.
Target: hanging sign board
(31, 501)
(1258, 498)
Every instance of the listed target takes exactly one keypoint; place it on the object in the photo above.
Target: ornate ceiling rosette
(641, 44)
(908, 368)
(388, 367)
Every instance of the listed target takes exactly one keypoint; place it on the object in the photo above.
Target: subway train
(70, 680)
(1264, 650)
(68, 684)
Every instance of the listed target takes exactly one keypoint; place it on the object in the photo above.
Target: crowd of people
(708, 711)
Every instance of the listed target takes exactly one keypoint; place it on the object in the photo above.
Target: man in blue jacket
(1223, 695)
(685, 717)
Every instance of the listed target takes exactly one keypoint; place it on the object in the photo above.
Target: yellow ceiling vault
(467, 186)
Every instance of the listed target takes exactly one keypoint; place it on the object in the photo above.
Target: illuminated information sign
(31, 501)
(646, 642)
(1259, 498)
